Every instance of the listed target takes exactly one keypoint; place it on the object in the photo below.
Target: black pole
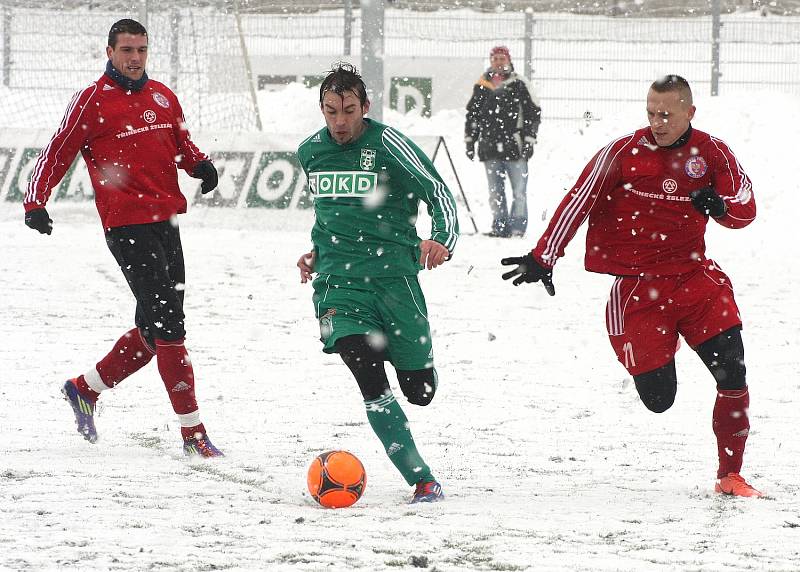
(441, 141)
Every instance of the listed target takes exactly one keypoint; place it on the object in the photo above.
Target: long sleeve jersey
(635, 195)
(366, 198)
(131, 142)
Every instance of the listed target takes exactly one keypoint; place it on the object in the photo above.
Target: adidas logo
(645, 143)
(743, 433)
(107, 87)
(393, 448)
(181, 386)
(316, 139)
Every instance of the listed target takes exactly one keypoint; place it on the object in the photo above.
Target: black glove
(208, 172)
(529, 270)
(708, 202)
(470, 150)
(38, 219)
(527, 150)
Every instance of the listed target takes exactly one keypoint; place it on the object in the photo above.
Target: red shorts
(644, 316)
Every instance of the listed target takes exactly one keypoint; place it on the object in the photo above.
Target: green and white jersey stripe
(445, 222)
(366, 198)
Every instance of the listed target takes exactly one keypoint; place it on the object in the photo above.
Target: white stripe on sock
(189, 419)
(94, 380)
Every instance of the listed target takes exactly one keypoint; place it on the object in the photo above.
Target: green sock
(391, 426)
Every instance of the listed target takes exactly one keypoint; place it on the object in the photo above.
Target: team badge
(696, 167)
(367, 159)
(669, 186)
(326, 324)
(161, 100)
(149, 116)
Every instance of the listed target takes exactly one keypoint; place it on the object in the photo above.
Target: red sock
(731, 426)
(84, 389)
(176, 371)
(195, 431)
(130, 354)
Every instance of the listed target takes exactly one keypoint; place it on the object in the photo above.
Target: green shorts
(391, 311)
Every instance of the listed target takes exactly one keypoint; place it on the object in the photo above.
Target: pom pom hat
(500, 50)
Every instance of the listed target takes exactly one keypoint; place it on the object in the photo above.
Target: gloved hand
(708, 202)
(529, 270)
(470, 150)
(208, 172)
(38, 219)
(527, 149)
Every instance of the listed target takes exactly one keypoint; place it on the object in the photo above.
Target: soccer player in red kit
(648, 197)
(131, 132)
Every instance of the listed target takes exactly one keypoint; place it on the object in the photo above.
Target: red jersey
(636, 197)
(131, 142)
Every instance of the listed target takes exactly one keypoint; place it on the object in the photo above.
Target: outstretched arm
(598, 179)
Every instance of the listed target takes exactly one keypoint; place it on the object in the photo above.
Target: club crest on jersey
(161, 100)
(326, 324)
(149, 116)
(669, 186)
(696, 167)
(367, 159)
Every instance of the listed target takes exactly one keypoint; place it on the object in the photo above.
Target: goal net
(49, 54)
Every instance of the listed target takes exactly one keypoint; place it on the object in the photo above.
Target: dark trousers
(151, 258)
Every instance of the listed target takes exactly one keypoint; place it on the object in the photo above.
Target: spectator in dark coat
(503, 117)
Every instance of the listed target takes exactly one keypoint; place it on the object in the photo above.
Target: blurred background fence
(212, 52)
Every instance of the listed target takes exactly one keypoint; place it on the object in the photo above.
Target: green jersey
(366, 198)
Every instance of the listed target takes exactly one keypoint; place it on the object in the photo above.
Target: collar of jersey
(125, 83)
(680, 141)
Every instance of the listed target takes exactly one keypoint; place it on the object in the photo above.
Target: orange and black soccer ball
(336, 479)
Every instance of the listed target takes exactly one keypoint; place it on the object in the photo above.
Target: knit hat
(500, 50)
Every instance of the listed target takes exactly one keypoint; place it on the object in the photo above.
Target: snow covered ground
(547, 457)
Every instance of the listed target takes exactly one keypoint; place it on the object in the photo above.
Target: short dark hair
(673, 82)
(125, 26)
(342, 78)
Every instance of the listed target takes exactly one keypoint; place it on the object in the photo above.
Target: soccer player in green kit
(367, 180)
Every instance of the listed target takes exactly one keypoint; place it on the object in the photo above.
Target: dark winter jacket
(502, 119)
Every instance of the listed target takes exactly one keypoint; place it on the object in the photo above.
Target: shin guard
(177, 374)
(731, 426)
(391, 426)
(130, 354)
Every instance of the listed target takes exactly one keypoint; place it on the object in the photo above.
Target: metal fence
(580, 65)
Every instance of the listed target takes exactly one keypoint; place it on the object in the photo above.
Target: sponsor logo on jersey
(669, 186)
(316, 139)
(342, 183)
(696, 167)
(161, 100)
(107, 87)
(181, 386)
(367, 159)
(149, 116)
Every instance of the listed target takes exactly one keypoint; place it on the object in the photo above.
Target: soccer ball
(336, 479)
